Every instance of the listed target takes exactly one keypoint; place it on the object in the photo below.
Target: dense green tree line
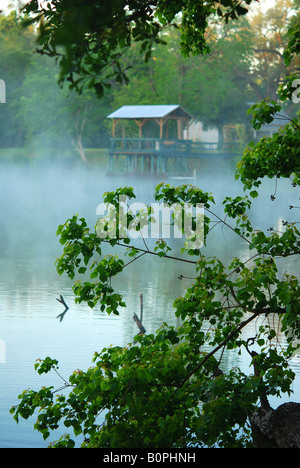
(16, 47)
(38, 114)
(245, 64)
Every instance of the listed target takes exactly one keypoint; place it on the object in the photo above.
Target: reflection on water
(32, 205)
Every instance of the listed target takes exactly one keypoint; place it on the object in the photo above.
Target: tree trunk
(79, 148)
(278, 428)
(80, 122)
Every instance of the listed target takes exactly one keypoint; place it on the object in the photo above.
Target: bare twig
(62, 301)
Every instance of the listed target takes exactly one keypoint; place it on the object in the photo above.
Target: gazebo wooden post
(140, 123)
(115, 121)
(161, 125)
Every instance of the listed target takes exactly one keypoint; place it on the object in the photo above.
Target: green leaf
(105, 386)
(254, 194)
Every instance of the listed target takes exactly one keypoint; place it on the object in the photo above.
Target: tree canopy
(90, 38)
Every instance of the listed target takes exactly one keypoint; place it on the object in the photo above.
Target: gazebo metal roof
(150, 112)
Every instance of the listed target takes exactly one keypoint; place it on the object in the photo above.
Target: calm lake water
(33, 201)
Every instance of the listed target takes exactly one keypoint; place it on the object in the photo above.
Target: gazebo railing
(169, 146)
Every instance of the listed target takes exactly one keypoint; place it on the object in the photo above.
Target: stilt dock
(159, 148)
(160, 156)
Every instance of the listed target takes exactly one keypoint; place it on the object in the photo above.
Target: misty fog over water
(34, 199)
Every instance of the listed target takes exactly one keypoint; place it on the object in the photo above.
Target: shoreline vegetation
(95, 156)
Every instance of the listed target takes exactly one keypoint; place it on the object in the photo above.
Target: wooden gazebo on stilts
(143, 153)
(154, 144)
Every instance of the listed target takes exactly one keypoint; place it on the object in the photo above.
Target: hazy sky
(4, 4)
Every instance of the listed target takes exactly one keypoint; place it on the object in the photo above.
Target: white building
(196, 132)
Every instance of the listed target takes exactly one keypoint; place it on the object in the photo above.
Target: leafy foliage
(168, 389)
(89, 39)
(276, 156)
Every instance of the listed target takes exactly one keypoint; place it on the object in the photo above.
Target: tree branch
(224, 342)
(155, 253)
